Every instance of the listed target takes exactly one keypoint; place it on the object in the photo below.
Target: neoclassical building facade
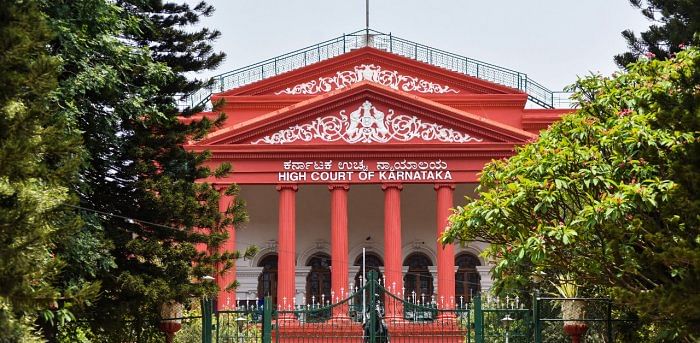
(367, 151)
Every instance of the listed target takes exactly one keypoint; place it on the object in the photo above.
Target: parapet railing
(537, 93)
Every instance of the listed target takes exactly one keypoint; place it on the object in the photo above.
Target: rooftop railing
(537, 93)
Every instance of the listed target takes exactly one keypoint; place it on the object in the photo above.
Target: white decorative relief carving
(368, 72)
(367, 124)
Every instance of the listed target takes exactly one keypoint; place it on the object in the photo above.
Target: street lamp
(506, 324)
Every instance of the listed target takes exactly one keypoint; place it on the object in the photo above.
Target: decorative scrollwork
(368, 72)
(367, 124)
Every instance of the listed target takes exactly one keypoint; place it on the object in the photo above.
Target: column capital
(334, 186)
(386, 186)
(441, 185)
(291, 186)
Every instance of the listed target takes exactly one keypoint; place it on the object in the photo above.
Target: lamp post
(507, 320)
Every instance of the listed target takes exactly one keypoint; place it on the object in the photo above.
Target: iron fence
(300, 58)
(599, 320)
(243, 324)
(503, 320)
(385, 315)
(319, 320)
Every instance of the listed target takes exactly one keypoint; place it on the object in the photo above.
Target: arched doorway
(318, 281)
(267, 281)
(372, 263)
(418, 278)
(467, 279)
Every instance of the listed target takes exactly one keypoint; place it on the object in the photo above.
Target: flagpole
(367, 22)
(367, 15)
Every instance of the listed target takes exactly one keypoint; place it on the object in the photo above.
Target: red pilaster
(286, 253)
(446, 253)
(339, 245)
(226, 299)
(392, 247)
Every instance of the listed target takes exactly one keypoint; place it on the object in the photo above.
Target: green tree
(609, 194)
(676, 24)
(121, 83)
(40, 155)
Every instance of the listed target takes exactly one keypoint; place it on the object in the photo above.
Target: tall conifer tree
(124, 66)
(676, 23)
(40, 155)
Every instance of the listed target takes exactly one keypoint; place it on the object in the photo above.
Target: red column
(339, 246)
(286, 253)
(392, 247)
(446, 253)
(226, 299)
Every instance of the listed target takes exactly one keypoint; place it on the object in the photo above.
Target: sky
(553, 41)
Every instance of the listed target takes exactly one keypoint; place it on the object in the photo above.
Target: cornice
(352, 155)
(322, 104)
(539, 119)
(474, 150)
(452, 100)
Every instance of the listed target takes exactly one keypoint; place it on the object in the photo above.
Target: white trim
(473, 249)
(248, 282)
(319, 246)
(269, 248)
(367, 72)
(418, 246)
(367, 124)
(485, 276)
(372, 247)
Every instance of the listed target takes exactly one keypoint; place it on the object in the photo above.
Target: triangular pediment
(372, 65)
(370, 122)
(366, 113)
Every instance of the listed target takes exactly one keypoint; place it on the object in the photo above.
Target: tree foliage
(676, 24)
(40, 155)
(123, 63)
(609, 194)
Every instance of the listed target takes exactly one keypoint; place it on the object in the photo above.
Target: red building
(364, 142)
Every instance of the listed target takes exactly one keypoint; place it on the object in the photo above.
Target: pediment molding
(432, 116)
(391, 78)
(368, 124)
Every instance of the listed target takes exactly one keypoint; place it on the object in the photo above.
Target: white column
(434, 273)
(485, 276)
(352, 271)
(248, 282)
(300, 283)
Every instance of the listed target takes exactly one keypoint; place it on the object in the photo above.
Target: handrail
(312, 54)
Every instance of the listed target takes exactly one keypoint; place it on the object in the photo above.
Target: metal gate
(374, 313)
